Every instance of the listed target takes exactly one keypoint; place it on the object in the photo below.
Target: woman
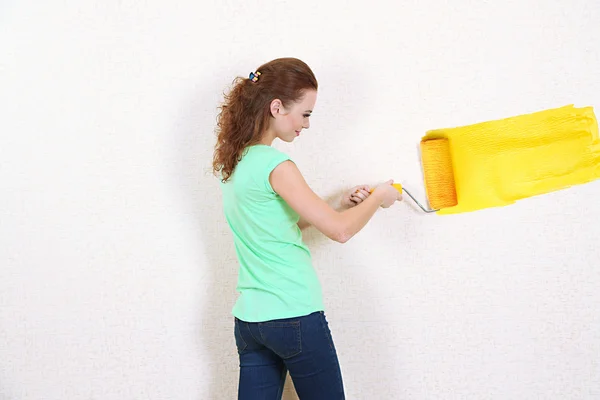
(279, 323)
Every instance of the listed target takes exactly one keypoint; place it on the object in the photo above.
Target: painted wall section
(499, 162)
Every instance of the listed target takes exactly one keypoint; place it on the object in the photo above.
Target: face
(289, 122)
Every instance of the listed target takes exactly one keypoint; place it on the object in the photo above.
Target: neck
(267, 138)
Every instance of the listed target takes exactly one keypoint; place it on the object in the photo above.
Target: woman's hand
(388, 193)
(356, 195)
(287, 181)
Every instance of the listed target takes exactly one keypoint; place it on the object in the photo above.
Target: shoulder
(265, 156)
(263, 150)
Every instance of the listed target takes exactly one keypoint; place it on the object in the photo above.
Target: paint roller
(438, 175)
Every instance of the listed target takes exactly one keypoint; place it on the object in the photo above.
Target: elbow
(343, 239)
(342, 232)
(342, 236)
(337, 229)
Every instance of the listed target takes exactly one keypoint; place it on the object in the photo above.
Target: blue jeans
(303, 346)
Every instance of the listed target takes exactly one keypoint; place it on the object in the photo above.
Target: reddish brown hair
(245, 112)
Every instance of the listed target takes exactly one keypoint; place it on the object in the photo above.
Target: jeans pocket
(239, 340)
(283, 338)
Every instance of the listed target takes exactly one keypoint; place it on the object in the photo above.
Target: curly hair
(245, 113)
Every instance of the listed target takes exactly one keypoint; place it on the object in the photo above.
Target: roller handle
(396, 185)
(399, 188)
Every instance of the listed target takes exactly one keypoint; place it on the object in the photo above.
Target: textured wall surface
(117, 271)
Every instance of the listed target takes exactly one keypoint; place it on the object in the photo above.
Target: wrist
(378, 194)
(342, 204)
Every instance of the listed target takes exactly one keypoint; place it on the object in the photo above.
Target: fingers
(364, 193)
(366, 188)
(359, 194)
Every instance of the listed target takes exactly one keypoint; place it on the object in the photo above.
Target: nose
(306, 125)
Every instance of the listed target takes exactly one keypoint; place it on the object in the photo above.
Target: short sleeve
(275, 158)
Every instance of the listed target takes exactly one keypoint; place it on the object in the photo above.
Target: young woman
(279, 319)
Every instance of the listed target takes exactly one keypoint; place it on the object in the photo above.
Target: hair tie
(254, 76)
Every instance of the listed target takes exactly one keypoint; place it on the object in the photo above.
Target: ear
(276, 107)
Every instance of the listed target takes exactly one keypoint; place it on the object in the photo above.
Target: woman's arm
(350, 199)
(340, 226)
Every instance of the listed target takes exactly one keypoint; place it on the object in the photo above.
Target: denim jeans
(303, 346)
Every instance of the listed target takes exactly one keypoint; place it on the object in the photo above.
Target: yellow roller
(438, 174)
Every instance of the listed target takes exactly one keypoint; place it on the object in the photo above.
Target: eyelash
(306, 115)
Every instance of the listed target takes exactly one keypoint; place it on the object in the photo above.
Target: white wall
(117, 269)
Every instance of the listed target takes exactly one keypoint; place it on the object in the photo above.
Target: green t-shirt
(276, 277)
